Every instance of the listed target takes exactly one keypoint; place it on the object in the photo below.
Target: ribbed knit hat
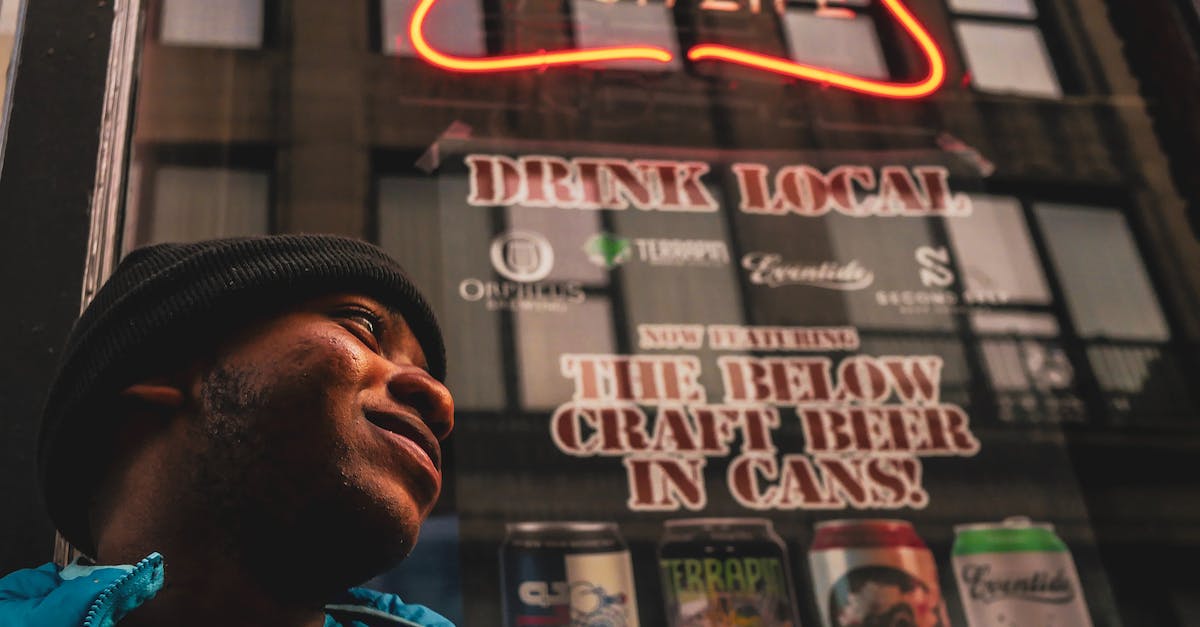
(159, 302)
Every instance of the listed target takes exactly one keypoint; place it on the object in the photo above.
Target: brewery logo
(936, 274)
(771, 270)
(544, 593)
(935, 266)
(1037, 586)
(609, 251)
(524, 258)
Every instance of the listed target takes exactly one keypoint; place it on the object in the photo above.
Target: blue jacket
(100, 596)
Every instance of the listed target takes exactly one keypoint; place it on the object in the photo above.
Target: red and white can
(875, 572)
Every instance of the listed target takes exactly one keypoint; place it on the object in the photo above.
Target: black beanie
(159, 302)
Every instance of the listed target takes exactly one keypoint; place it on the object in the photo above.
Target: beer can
(567, 574)
(725, 572)
(1017, 573)
(875, 572)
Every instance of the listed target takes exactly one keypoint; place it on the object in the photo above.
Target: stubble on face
(281, 495)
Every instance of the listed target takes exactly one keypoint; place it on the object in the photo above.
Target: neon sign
(543, 59)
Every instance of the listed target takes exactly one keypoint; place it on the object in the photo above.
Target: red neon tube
(543, 59)
(932, 81)
(540, 59)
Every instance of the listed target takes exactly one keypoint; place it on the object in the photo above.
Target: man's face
(316, 436)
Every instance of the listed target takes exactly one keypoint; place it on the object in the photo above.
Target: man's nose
(414, 387)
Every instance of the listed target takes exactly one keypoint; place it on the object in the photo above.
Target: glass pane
(215, 23)
(599, 24)
(1143, 383)
(795, 241)
(996, 253)
(1106, 286)
(1014, 323)
(202, 203)
(1007, 8)
(543, 336)
(847, 44)
(1008, 59)
(458, 31)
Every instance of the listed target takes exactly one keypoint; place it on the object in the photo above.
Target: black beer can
(567, 574)
(726, 572)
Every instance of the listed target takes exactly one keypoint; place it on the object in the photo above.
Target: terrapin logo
(771, 270)
(524, 258)
(608, 251)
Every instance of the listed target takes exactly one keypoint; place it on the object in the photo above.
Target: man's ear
(156, 394)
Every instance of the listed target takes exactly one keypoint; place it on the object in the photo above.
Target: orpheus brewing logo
(524, 259)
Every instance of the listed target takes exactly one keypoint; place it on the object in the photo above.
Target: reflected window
(1104, 282)
(195, 203)
(213, 23)
(543, 337)
(1008, 59)
(457, 30)
(1027, 366)
(600, 24)
(1143, 383)
(1007, 8)
(996, 253)
(837, 38)
(1004, 49)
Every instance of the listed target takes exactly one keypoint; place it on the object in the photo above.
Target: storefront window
(828, 276)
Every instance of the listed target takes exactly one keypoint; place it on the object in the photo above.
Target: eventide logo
(609, 251)
(771, 270)
(524, 259)
(934, 78)
(1037, 586)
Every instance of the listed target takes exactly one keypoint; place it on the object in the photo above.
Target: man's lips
(411, 428)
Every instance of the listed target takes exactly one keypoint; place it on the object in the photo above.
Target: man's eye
(367, 322)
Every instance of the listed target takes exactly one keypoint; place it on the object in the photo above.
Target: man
(240, 431)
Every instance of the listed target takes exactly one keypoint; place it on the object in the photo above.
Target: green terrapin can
(1017, 573)
(726, 572)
